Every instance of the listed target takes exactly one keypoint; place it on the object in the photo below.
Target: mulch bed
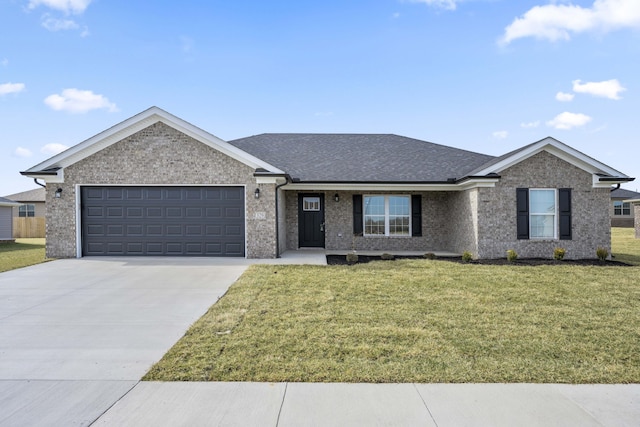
(362, 259)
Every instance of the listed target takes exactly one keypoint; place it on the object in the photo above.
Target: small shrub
(387, 256)
(467, 256)
(429, 255)
(559, 253)
(602, 254)
(512, 255)
(352, 257)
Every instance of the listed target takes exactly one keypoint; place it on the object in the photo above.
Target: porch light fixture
(336, 197)
(257, 193)
(58, 193)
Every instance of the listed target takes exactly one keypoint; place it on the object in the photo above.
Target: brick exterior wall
(160, 155)
(481, 220)
(497, 211)
(636, 205)
(339, 224)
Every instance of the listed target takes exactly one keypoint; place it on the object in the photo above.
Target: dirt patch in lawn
(362, 259)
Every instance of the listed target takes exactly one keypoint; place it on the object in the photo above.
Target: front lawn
(22, 253)
(624, 246)
(417, 321)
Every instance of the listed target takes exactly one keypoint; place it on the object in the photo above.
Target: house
(621, 209)
(29, 216)
(6, 219)
(157, 185)
(636, 207)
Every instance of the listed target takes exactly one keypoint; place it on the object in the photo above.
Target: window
(387, 215)
(542, 214)
(621, 208)
(311, 204)
(27, 211)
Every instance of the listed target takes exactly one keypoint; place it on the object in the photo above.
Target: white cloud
(564, 97)
(22, 152)
(559, 21)
(67, 6)
(500, 134)
(79, 101)
(6, 88)
(54, 24)
(566, 120)
(53, 148)
(607, 89)
(442, 4)
(530, 125)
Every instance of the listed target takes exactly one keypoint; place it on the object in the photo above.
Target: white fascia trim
(137, 123)
(632, 201)
(474, 183)
(58, 178)
(270, 180)
(12, 204)
(560, 150)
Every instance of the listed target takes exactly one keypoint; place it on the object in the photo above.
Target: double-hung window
(621, 208)
(543, 213)
(386, 215)
(25, 211)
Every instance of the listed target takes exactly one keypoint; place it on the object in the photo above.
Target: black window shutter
(416, 215)
(522, 202)
(357, 214)
(564, 202)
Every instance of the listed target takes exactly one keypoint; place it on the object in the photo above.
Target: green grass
(22, 253)
(624, 246)
(418, 321)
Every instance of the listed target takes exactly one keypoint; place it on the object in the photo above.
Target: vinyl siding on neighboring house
(6, 223)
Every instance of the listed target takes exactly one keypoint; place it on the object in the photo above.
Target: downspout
(614, 189)
(277, 220)
(42, 185)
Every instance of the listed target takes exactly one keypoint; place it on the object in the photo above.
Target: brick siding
(159, 155)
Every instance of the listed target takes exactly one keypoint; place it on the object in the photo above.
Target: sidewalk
(330, 404)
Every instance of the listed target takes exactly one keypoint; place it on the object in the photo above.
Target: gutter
(287, 178)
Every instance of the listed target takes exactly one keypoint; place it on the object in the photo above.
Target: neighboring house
(29, 217)
(636, 205)
(157, 185)
(621, 209)
(6, 219)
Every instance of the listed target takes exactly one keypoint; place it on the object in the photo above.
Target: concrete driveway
(76, 335)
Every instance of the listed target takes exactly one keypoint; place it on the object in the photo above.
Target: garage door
(173, 221)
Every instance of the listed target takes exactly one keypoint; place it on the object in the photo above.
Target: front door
(311, 220)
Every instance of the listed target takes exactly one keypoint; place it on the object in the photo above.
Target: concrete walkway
(305, 404)
(77, 335)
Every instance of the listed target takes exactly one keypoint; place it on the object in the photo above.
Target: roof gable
(603, 174)
(135, 124)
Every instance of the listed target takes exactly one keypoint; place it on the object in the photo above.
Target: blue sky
(483, 75)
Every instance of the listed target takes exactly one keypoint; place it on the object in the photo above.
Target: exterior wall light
(257, 193)
(336, 197)
(58, 193)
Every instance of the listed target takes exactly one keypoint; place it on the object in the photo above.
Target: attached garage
(162, 220)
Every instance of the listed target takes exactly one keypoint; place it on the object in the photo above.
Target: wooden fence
(28, 227)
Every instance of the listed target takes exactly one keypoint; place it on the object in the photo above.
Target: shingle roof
(35, 195)
(621, 193)
(7, 202)
(361, 157)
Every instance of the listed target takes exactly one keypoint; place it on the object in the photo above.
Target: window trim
(556, 215)
(622, 206)
(387, 226)
(26, 209)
